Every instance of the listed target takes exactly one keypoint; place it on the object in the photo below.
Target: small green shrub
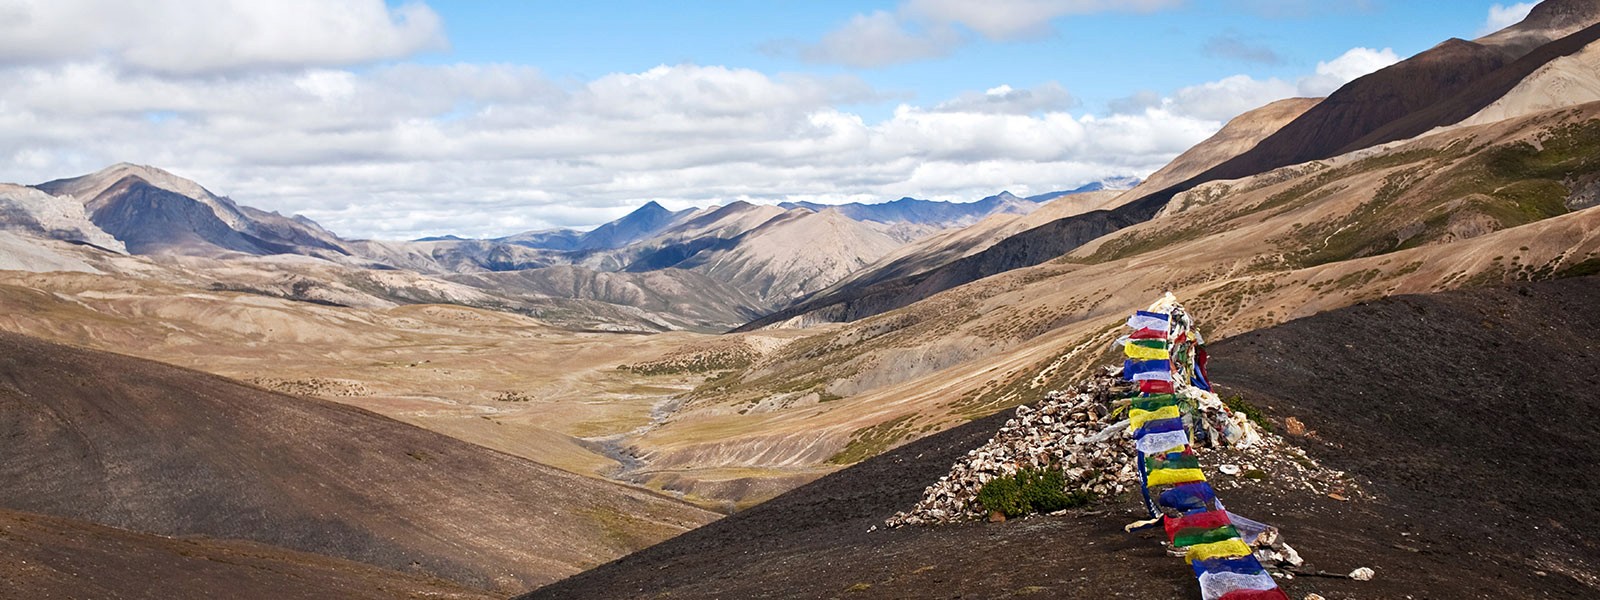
(1044, 490)
(1003, 495)
(1030, 491)
(1237, 404)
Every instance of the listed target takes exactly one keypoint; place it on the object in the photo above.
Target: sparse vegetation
(1030, 491)
(513, 396)
(868, 442)
(1237, 403)
(708, 358)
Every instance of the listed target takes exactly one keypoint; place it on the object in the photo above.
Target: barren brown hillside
(1441, 404)
(51, 558)
(1436, 88)
(145, 446)
(1478, 206)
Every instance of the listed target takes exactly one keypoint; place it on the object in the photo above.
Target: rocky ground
(1463, 416)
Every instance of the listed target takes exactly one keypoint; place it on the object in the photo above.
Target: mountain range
(1393, 278)
(740, 253)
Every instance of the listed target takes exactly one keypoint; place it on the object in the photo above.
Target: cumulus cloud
(1227, 98)
(881, 39)
(1502, 16)
(1330, 75)
(1231, 96)
(1004, 99)
(401, 150)
(924, 29)
(408, 150)
(215, 36)
(1012, 19)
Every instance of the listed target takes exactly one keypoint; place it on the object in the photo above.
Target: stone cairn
(1071, 431)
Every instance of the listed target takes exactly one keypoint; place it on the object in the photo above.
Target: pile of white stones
(1069, 431)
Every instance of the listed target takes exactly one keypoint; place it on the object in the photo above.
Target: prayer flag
(1228, 549)
(1149, 334)
(1192, 536)
(1216, 586)
(1189, 498)
(1155, 387)
(1150, 320)
(1203, 520)
(1161, 442)
(1137, 418)
(1173, 477)
(1247, 565)
(1147, 370)
(1272, 594)
(1145, 353)
(1154, 402)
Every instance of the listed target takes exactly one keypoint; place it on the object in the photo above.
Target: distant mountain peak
(1553, 14)
(86, 187)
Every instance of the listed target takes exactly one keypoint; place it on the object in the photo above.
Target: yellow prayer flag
(1143, 353)
(1173, 477)
(1224, 549)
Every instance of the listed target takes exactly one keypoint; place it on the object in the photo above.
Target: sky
(404, 119)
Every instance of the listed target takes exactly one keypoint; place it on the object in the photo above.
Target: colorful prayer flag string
(1166, 356)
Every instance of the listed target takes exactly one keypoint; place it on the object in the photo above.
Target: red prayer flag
(1155, 387)
(1148, 334)
(1200, 520)
(1272, 594)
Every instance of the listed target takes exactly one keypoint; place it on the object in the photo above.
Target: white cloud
(1502, 16)
(214, 36)
(880, 39)
(1003, 99)
(924, 29)
(1012, 19)
(408, 150)
(1331, 75)
(1229, 97)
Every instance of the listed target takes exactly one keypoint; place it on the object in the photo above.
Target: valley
(729, 399)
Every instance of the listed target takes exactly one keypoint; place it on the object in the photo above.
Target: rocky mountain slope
(144, 446)
(28, 211)
(912, 210)
(155, 212)
(1439, 87)
(1429, 437)
(673, 298)
(1464, 207)
(144, 211)
(1238, 136)
(1565, 81)
(793, 254)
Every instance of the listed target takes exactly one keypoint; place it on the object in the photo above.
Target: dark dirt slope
(1445, 452)
(1441, 86)
(1480, 94)
(1475, 410)
(141, 445)
(45, 558)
